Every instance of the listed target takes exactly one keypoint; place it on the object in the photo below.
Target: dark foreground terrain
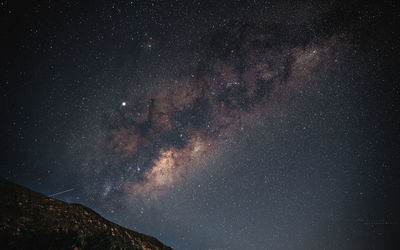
(30, 220)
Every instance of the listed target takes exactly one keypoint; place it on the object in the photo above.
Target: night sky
(210, 125)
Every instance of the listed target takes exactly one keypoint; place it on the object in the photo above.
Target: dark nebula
(239, 71)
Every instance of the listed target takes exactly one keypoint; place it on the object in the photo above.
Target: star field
(209, 125)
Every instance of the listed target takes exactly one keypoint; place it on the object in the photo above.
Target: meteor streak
(62, 192)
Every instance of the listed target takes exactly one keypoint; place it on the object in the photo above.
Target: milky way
(188, 118)
(209, 124)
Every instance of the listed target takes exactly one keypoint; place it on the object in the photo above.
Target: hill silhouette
(30, 220)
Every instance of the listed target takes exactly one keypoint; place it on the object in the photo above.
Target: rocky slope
(30, 220)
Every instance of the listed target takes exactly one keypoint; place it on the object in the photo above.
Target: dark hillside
(30, 220)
